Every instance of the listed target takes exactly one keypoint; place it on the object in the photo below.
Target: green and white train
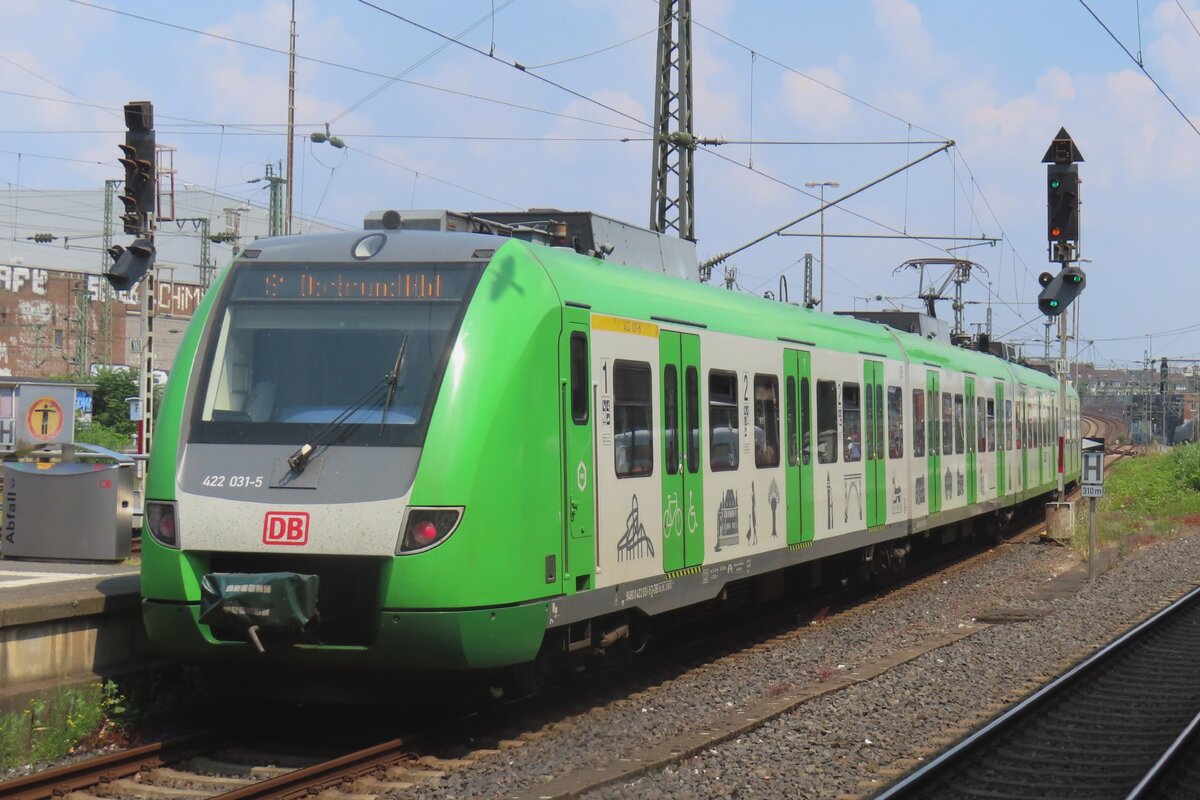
(406, 449)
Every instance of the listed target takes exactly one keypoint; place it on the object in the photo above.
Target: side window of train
(991, 426)
(981, 426)
(895, 418)
(670, 390)
(633, 440)
(1019, 420)
(722, 420)
(935, 429)
(947, 424)
(805, 422)
(793, 438)
(958, 424)
(918, 406)
(827, 434)
(766, 421)
(852, 420)
(579, 373)
(691, 408)
(1008, 421)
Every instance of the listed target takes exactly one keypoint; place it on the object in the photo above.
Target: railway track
(209, 765)
(1120, 724)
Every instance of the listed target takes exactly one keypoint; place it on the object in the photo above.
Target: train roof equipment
(584, 232)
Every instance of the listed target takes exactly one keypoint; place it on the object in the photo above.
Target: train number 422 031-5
(234, 481)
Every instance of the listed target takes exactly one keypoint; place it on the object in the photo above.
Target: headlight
(426, 527)
(161, 522)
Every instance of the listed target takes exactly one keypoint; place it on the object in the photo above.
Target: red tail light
(160, 521)
(427, 527)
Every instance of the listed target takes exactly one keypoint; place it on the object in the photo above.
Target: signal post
(1062, 233)
(131, 264)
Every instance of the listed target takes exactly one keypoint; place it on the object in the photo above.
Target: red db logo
(285, 527)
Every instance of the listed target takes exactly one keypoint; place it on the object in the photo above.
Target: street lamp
(821, 185)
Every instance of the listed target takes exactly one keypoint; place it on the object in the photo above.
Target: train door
(797, 372)
(1003, 438)
(972, 444)
(874, 464)
(683, 501)
(579, 549)
(933, 416)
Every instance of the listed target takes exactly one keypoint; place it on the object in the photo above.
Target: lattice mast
(672, 184)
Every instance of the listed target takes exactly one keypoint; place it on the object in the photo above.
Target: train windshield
(297, 347)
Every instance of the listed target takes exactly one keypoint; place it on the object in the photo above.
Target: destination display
(377, 282)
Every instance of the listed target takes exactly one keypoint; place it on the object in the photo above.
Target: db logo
(285, 527)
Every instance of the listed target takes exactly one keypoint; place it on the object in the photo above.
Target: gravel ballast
(845, 742)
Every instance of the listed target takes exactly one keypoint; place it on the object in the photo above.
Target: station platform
(64, 623)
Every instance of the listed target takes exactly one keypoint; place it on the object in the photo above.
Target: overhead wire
(513, 64)
(1142, 67)
(424, 59)
(350, 68)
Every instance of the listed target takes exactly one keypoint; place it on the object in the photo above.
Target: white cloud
(814, 105)
(899, 23)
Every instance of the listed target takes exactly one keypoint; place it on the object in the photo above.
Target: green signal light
(1076, 278)
(1054, 183)
(1053, 304)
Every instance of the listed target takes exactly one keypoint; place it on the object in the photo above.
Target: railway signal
(1062, 202)
(1062, 195)
(138, 157)
(130, 264)
(1059, 291)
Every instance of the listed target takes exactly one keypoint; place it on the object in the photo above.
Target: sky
(845, 92)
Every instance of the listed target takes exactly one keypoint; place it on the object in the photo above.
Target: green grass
(51, 727)
(1148, 496)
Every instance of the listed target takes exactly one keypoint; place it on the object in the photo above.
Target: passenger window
(579, 379)
(895, 416)
(691, 403)
(935, 439)
(991, 427)
(633, 445)
(1018, 423)
(958, 424)
(852, 420)
(981, 420)
(670, 389)
(918, 423)
(722, 420)
(948, 423)
(766, 421)
(805, 423)
(792, 434)
(827, 434)
(1008, 421)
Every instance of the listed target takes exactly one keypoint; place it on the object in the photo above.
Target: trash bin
(76, 504)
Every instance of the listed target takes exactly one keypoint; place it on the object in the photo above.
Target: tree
(109, 405)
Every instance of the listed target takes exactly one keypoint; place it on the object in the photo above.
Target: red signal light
(1055, 232)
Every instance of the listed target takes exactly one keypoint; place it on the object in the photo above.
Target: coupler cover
(268, 602)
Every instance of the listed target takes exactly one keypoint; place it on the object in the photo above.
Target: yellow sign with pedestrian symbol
(45, 419)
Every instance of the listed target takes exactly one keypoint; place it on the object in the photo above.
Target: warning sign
(45, 419)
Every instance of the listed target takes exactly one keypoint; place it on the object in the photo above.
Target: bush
(103, 436)
(1186, 462)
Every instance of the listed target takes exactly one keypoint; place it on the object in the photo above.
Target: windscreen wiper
(393, 380)
(299, 459)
